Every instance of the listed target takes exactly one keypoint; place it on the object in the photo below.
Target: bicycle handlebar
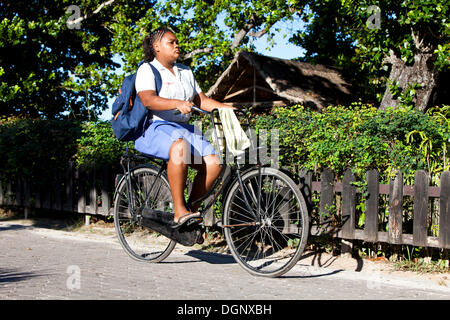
(195, 108)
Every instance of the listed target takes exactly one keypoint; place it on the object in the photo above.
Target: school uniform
(165, 127)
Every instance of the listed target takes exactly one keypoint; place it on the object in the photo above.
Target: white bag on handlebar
(236, 139)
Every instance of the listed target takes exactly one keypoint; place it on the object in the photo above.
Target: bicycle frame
(225, 181)
(127, 175)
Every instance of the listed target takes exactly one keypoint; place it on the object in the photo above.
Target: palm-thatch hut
(259, 81)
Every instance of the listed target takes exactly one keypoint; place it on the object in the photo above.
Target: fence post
(444, 215)
(306, 186)
(106, 187)
(46, 194)
(68, 184)
(36, 190)
(18, 192)
(26, 197)
(326, 196)
(80, 176)
(92, 189)
(396, 209)
(371, 221)
(2, 196)
(56, 190)
(348, 211)
(9, 192)
(420, 208)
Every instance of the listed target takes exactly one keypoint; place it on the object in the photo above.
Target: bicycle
(265, 219)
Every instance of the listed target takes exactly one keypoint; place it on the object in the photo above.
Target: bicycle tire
(140, 243)
(270, 241)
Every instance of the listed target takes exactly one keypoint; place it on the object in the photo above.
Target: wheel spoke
(264, 249)
(148, 191)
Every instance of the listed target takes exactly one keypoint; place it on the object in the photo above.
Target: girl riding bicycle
(168, 136)
(264, 217)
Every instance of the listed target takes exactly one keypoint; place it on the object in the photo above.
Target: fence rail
(85, 190)
(396, 192)
(89, 190)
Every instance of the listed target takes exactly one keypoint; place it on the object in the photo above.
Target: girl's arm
(152, 101)
(209, 104)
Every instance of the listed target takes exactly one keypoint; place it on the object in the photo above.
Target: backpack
(129, 114)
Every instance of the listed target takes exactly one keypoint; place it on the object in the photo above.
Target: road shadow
(305, 266)
(217, 258)
(307, 274)
(13, 227)
(42, 218)
(12, 275)
(325, 261)
(211, 257)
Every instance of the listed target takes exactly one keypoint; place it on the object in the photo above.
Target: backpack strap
(158, 84)
(158, 80)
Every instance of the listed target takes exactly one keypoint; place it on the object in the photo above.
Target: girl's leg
(177, 169)
(207, 173)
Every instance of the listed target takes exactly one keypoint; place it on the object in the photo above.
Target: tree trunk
(423, 72)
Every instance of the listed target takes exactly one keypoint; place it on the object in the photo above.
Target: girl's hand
(184, 107)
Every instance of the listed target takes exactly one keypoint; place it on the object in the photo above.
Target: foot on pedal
(187, 219)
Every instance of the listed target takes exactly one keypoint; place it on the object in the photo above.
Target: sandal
(187, 219)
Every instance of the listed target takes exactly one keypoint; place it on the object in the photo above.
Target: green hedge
(97, 143)
(359, 137)
(35, 148)
(362, 137)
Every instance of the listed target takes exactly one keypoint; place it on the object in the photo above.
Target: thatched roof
(265, 81)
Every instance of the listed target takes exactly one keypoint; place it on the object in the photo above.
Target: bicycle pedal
(193, 221)
(200, 239)
(186, 235)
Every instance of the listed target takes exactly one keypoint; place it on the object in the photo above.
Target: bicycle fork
(247, 203)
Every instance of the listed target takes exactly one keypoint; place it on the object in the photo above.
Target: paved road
(44, 264)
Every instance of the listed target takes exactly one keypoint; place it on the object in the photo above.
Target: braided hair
(149, 40)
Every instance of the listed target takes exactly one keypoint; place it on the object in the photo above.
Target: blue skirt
(159, 136)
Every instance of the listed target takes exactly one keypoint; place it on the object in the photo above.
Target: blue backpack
(129, 114)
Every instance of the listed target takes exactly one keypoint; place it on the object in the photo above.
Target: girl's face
(167, 48)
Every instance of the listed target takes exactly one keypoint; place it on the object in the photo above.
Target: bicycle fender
(124, 176)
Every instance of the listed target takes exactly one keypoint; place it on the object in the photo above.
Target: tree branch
(86, 16)
(258, 34)
(240, 35)
(419, 42)
(106, 27)
(195, 52)
(391, 59)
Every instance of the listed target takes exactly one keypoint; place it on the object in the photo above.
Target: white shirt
(181, 86)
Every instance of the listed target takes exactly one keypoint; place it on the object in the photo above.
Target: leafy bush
(35, 148)
(358, 136)
(98, 144)
(363, 138)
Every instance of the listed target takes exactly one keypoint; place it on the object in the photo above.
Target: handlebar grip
(176, 111)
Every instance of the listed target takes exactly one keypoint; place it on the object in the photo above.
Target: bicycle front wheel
(148, 191)
(266, 222)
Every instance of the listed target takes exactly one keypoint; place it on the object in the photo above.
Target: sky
(282, 49)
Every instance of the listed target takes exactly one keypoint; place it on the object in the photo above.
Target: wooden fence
(89, 190)
(85, 190)
(342, 197)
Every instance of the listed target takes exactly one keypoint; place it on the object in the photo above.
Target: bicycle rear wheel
(268, 238)
(148, 191)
